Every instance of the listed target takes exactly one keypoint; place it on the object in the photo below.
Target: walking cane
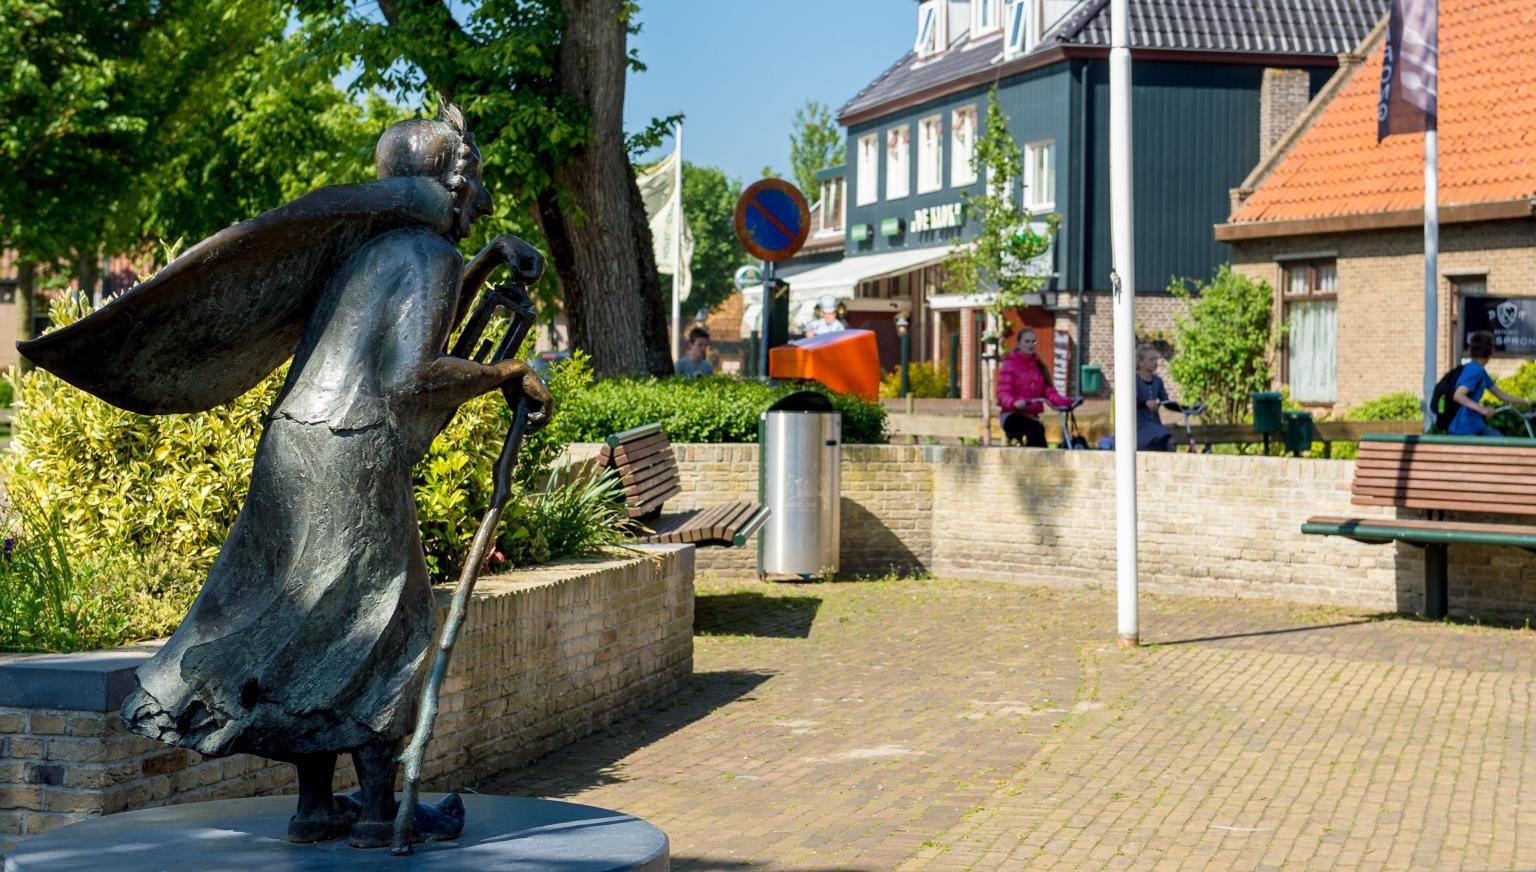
(514, 298)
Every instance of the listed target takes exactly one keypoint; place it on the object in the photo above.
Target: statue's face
(474, 200)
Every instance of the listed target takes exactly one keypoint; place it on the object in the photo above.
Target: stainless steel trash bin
(799, 440)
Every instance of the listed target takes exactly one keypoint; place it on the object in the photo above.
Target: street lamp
(906, 354)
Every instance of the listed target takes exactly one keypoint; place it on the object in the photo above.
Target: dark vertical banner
(1410, 70)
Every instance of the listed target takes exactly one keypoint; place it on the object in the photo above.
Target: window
(1040, 176)
(869, 168)
(1462, 287)
(986, 17)
(932, 21)
(1310, 303)
(963, 150)
(898, 143)
(930, 154)
(1028, 20)
(832, 203)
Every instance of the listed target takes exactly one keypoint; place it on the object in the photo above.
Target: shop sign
(1511, 320)
(858, 232)
(890, 227)
(942, 217)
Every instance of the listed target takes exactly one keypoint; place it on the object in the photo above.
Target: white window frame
(963, 126)
(898, 161)
(1025, 23)
(834, 190)
(982, 24)
(932, 28)
(930, 153)
(869, 169)
(1034, 199)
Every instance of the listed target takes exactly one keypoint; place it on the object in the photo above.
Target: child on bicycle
(1151, 435)
(1023, 388)
(1472, 418)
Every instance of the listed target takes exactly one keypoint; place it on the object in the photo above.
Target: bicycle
(1071, 438)
(1189, 434)
(1525, 416)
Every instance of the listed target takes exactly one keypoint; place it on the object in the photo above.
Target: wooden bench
(643, 459)
(1439, 474)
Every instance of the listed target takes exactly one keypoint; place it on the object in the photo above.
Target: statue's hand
(525, 261)
(522, 383)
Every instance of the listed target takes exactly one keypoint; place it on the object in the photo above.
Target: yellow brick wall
(1381, 294)
(546, 656)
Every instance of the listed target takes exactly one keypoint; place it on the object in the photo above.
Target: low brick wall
(546, 656)
(1209, 525)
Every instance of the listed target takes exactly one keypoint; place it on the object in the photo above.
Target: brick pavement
(966, 725)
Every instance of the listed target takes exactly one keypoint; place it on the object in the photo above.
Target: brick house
(1334, 221)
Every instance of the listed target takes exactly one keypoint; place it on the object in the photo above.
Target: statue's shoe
(433, 823)
(333, 824)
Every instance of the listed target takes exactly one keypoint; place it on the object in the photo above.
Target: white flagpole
(1431, 260)
(1123, 279)
(677, 251)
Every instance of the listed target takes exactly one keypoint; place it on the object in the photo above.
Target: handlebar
(1072, 403)
(1173, 406)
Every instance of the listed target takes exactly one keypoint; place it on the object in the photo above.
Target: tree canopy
(815, 144)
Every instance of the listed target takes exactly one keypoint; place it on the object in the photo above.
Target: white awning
(842, 278)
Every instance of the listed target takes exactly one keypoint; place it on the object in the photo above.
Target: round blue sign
(772, 219)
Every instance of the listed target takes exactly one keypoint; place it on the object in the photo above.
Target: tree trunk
(88, 274)
(26, 303)
(599, 240)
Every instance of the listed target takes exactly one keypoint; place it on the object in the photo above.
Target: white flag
(656, 188)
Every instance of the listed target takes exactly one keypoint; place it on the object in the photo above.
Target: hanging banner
(656, 187)
(1410, 69)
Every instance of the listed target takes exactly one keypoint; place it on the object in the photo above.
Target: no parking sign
(772, 219)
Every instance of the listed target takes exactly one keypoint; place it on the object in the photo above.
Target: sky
(738, 69)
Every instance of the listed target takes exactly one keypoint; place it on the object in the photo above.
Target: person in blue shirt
(1472, 418)
(694, 363)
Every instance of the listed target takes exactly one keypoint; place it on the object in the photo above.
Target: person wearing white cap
(829, 322)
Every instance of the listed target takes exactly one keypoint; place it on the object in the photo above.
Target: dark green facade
(1195, 136)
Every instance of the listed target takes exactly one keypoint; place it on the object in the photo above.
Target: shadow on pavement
(593, 761)
(1282, 631)
(748, 613)
(685, 863)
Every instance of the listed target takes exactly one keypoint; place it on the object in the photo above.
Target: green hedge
(714, 409)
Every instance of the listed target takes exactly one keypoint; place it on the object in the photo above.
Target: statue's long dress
(312, 628)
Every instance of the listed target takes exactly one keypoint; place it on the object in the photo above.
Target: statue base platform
(234, 835)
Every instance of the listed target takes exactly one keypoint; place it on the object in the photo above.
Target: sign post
(772, 220)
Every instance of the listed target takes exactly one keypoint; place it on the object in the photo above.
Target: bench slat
(1491, 449)
(637, 477)
(634, 435)
(638, 451)
(1506, 508)
(1481, 488)
(1482, 472)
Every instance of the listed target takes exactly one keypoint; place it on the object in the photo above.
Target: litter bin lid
(1267, 395)
(802, 401)
(1296, 415)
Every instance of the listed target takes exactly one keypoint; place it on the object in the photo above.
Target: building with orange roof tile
(1334, 220)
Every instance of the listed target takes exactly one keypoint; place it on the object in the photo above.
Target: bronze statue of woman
(309, 637)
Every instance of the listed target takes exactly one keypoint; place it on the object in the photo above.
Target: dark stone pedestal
(235, 835)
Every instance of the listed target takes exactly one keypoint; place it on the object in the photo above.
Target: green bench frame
(647, 470)
(1436, 475)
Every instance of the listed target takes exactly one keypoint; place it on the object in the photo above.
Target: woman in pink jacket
(1023, 387)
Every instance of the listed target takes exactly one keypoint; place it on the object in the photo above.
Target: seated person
(1151, 435)
(693, 363)
(1472, 418)
(1023, 386)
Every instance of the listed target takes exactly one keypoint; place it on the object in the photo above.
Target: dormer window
(932, 27)
(1028, 20)
(986, 17)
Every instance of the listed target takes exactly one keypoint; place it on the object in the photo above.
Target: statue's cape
(223, 315)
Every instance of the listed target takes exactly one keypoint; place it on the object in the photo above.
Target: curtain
(1313, 351)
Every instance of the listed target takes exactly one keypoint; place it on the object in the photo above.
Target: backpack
(1441, 403)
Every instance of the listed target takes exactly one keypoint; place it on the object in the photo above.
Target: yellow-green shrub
(927, 380)
(142, 503)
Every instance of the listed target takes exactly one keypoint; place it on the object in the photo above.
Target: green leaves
(1224, 343)
(998, 258)
(816, 144)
